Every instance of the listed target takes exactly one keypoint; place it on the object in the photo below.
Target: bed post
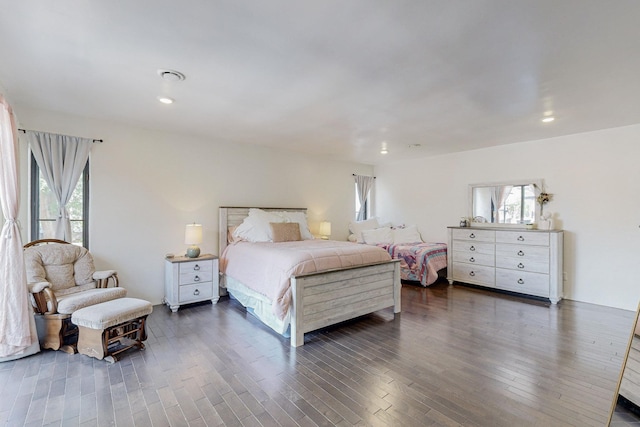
(397, 287)
(297, 310)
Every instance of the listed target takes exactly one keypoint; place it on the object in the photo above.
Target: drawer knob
(472, 259)
(472, 248)
(520, 265)
(520, 281)
(520, 238)
(520, 253)
(196, 279)
(472, 273)
(196, 292)
(472, 236)
(196, 267)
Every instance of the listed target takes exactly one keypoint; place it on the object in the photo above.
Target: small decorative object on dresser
(189, 280)
(516, 260)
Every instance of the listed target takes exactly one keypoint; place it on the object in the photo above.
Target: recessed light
(548, 119)
(165, 100)
(383, 151)
(171, 75)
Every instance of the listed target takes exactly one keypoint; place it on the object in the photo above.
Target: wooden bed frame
(330, 297)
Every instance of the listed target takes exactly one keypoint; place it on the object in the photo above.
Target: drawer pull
(520, 253)
(520, 281)
(520, 238)
(472, 273)
(472, 248)
(196, 279)
(520, 265)
(472, 259)
(196, 267)
(472, 236)
(196, 292)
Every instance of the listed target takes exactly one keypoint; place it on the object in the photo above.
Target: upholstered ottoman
(107, 329)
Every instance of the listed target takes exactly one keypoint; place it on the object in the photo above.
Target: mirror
(626, 400)
(505, 203)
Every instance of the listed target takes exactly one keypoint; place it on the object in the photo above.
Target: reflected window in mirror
(504, 203)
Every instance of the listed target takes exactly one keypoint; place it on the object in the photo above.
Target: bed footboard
(324, 299)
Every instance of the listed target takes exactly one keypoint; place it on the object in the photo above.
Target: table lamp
(325, 230)
(193, 237)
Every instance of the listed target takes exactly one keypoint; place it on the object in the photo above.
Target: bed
(419, 262)
(317, 299)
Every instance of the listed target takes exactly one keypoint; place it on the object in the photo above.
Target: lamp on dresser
(193, 237)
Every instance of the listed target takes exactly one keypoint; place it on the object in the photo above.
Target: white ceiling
(338, 78)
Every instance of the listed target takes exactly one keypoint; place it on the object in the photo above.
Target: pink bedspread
(419, 262)
(267, 267)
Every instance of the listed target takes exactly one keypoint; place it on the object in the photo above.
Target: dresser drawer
(476, 274)
(529, 253)
(523, 282)
(474, 258)
(195, 292)
(523, 238)
(474, 235)
(520, 264)
(474, 247)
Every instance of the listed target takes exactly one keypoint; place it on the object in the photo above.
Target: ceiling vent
(171, 75)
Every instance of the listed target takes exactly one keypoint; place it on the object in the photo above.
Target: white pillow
(377, 235)
(408, 234)
(256, 227)
(352, 238)
(356, 227)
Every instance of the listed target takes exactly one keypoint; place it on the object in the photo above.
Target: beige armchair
(62, 279)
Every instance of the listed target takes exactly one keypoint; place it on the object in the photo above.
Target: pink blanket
(267, 267)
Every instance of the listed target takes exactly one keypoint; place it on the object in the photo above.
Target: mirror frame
(537, 184)
(624, 366)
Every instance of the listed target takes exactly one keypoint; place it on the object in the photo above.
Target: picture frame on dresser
(522, 261)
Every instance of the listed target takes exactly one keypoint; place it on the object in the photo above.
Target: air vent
(171, 75)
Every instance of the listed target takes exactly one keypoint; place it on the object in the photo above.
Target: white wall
(595, 181)
(146, 185)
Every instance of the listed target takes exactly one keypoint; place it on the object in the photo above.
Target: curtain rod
(95, 140)
(357, 175)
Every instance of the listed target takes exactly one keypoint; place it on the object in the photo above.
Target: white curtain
(18, 337)
(61, 160)
(363, 184)
(499, 197)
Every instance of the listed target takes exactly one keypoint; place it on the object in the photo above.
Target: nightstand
(189, 280)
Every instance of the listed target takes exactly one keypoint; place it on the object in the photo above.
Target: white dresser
(189, 280)
(524, 261)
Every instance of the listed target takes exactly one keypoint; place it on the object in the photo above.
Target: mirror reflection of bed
(625, 410)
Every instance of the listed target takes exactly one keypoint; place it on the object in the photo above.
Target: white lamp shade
(193, 234)
(325, 228)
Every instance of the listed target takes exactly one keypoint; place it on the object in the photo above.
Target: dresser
(189, 280)
(523, 261)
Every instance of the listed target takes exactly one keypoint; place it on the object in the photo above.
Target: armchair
(62, 279)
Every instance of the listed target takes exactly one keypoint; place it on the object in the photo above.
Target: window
(366, 205)
(519, 206)
(44, 208)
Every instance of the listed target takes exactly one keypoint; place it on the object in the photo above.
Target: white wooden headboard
(232, 216)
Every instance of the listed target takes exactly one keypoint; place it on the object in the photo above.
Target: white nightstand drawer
(524, 282)
(474, 235)
(196, 266)
(474, 258)
(195, 292)
(195, 277)
(523, 238)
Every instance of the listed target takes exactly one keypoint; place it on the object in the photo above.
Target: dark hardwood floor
(455, 356)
